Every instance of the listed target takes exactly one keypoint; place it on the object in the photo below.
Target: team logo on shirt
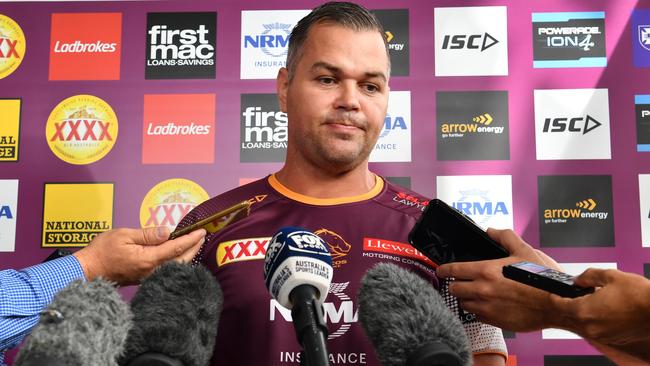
(339, 248)
(242, 250)
(410, 200)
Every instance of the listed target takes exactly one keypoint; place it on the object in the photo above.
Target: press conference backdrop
(523, 114)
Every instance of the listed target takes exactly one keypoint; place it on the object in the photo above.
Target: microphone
(407, 320)
(298, 272)
(85, 324)
(175, 317)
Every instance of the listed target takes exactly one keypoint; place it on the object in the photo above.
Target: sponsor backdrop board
(523, 114)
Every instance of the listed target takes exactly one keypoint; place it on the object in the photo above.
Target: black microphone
(85, 324)
(298, 272)
(408, 322)
(175, 317)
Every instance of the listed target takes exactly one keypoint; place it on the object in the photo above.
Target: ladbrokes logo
(169, 201)
(477, 45)
(241, 250)
(178, 129)
(74, 213)
(338, 247)
(8, 212)
(569, 39)
(181, 45)
(394, 142)
(265, 41)
(12, 46)
(81, 129)
(396, 27)
(576, 211)
(85, 46)
(263, 129)
(572, 124)
(640, 24)
(9, 129)
(472, 125)
(642, 111)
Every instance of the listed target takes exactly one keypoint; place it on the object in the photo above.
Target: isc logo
(577, 124)
(475, 41)
(74, 130)
(5, 212)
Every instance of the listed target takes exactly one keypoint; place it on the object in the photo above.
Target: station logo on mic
(169, 201)
(10, 113)
(8, 214)
(74, 213)
(12, 46)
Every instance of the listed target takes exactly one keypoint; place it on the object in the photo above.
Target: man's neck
(317, 183)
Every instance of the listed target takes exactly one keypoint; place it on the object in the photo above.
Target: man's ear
(282, 85)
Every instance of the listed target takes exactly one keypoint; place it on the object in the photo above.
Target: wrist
(86, 262)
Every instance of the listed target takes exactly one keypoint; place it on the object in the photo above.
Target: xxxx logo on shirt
(169, 201)
(242, 250)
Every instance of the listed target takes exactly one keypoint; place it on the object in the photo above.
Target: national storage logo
(640, 23)
(471, 41)
(264, 129)
(642, 111)
(181, 45)
(569, 39)
(9, 129)
(75, 213)
(8, 214)
(169, 201)
(85, 46)
(396, 28)
(576, 211)
(394, 142)
(178, 128)
(644, 204)
(81, 129)
(12, 46)
(472, 125)
(572, 124)
(265, 41)
(486, 199)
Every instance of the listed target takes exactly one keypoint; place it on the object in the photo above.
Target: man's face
(337, 98)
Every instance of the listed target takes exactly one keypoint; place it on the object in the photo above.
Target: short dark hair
(345, 14)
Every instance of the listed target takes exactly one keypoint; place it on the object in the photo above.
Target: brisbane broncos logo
(339, 248)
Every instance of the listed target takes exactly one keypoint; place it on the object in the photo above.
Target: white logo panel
(486, 199)
(265, 41)
(394, 143)
(572, 124)
(471, 41)
(644, 196)
(8, 212)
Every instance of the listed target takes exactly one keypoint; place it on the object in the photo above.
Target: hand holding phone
(217, 221)
(545, 278)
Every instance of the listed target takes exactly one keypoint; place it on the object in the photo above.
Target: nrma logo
(392, 124)
(5, 213)
(477, 204)
(273, 41)
(584, 210)
(340, 313)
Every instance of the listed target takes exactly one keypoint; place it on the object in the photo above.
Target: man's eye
(326, 80)
(371, 88)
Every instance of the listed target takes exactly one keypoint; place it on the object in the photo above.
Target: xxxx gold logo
(339, 248)
(74, 213)
(562, 215)
(12, 46)
(81, 129)
(169, 201)
(9, 129)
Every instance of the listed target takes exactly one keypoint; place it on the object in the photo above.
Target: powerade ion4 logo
(74, 213)
(169, 201)
(181, 45)
(81, 129)
(12, 46)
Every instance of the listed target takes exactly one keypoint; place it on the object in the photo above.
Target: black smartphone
(216, 221)
(446, 235)
(545, 278)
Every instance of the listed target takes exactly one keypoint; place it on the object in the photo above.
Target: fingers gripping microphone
(298, 272)
(175, 318)
(85, 324)
(408, 322)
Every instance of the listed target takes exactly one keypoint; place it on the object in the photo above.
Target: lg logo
(475, 41)
(577, 124)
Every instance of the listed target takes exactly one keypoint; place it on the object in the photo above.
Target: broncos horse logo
(338, 246)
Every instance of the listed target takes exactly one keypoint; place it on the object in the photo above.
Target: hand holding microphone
(298, 272)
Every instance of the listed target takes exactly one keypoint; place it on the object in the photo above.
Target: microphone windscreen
(176, 313)
(401, 312)
(85, 324)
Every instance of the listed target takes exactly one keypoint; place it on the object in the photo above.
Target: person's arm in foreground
(121, 255)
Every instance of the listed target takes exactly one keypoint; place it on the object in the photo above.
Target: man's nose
(348, 97)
